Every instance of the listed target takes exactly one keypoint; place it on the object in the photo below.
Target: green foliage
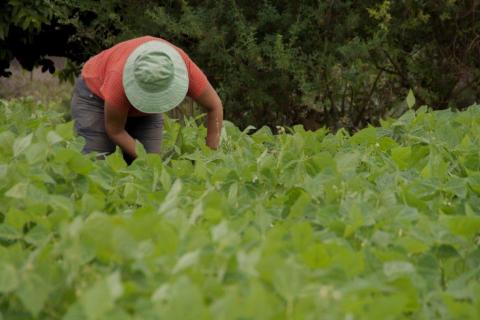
(333, 63)
(383, 224)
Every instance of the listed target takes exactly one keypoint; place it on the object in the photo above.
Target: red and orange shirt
(103, 74)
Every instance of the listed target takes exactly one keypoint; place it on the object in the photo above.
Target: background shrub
(332, 63)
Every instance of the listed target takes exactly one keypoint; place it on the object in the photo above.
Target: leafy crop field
(383, 224)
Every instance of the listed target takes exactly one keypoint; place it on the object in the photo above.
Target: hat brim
(162, 101)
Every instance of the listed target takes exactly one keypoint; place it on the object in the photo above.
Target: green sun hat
(155, 77)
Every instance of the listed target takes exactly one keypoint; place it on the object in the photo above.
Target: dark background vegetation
(319, 63)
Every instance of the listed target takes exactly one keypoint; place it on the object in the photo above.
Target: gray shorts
(89, 119)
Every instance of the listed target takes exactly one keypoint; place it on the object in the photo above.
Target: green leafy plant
(340, 64)
(382, 224)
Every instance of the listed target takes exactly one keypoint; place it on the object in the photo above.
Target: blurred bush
(317, 63)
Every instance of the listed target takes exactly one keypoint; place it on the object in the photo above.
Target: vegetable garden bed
(383, 224)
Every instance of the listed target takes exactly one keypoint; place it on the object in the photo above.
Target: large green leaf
(33, 292)
(101, 296)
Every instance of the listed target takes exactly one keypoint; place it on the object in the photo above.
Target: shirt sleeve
(197, 80)
(113, 92)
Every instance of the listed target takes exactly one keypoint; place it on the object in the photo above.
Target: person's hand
(213, 141)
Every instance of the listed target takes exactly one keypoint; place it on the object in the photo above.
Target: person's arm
(115, 120)
(210, 101)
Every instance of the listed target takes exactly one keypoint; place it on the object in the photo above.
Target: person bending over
(122, 92)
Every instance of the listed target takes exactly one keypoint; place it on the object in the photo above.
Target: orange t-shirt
(103, 74)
